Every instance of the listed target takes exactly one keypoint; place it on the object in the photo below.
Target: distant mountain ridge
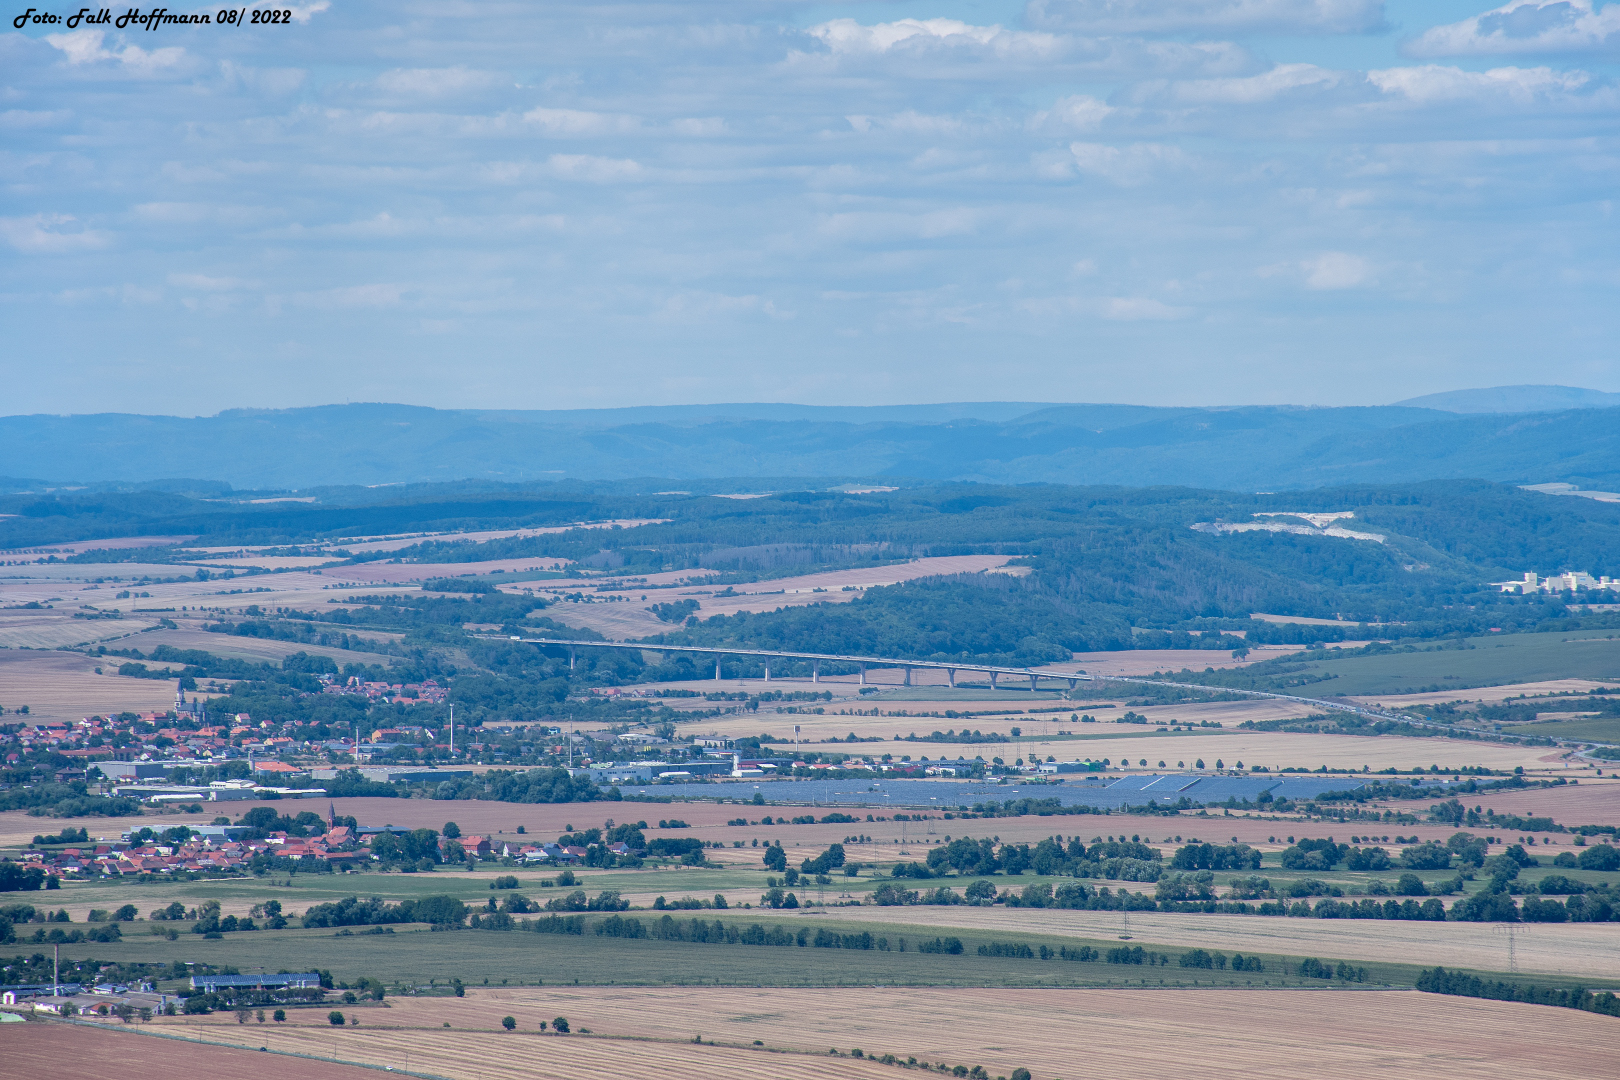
(1515, 399)
(1246, 448)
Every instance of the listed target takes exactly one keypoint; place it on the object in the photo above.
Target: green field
(1596, 728)
(413, 955)
(1487, 661)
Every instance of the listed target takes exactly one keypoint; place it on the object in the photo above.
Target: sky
(573, 205)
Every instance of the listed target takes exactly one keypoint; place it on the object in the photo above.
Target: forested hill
(1110, 567)
(1243, 449)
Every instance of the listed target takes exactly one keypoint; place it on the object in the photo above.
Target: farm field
(65, 686)
(260, 649)
(72, 585)
(1491, 661)
(1486, 694)
(1596, 728)
(1132, 742)
(55, 629)
(1053, 1033)
(1592, 802)
(1584, 949)
(86, 1052)
(632, 619)
(414, 955)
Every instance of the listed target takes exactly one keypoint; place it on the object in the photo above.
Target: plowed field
(1127, 1034)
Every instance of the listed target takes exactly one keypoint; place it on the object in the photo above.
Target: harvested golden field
(1594, 801)
(58, 629)
(82, 1052)
(1130, 742)
(1053, 1033)
(1587, 949)
(630, 620)
(65, 686)
(189, 636)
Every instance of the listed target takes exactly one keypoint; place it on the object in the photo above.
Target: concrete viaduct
(995, 672)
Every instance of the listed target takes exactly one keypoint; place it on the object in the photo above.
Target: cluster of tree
(443, 911)
(414, 848)
(1311, 968)
(526, 786)
(62, 800)
(1215, 857)
(1440, 981)
(1114, 859)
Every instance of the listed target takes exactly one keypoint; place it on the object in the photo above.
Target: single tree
(508, 1023)
(280, 1016)
(560, 1025)
(335, 1018)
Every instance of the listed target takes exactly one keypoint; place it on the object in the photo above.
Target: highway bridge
(995, 672)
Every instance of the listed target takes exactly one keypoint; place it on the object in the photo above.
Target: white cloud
(379, 295)
(1248, 90)
(15, 119)
(578, 122)
(1076, 113)
(1182, 16)
(1526, 26)
(435, 82)
(205, 283)
(1127, 166)
(1140, 308)
(849, 36)
(44, 234)
(1336, 270)
(692, 306)
(85, 47)
(301, 13)
(594, 169)
(1432, 84)
(877, 226)
(699, 127)
(195, 213)
(273, 81)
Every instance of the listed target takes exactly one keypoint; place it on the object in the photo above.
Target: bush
(560, 1025)
(1411, 885)
(335, 1018)
(1314, 855)
(1601, 857)
(1430, 856)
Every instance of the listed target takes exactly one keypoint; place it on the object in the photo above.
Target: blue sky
(550, 205)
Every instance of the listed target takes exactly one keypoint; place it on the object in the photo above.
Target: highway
(1072, 678)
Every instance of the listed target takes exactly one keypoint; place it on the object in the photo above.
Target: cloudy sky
(558, 204)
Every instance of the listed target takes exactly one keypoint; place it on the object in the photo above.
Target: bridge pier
(992, 680)
(573, 658)
(908, 677)
(950, 673)
(1032, 682)
(767, 669)
(815, 671)
(717, 669)
(863, 674)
